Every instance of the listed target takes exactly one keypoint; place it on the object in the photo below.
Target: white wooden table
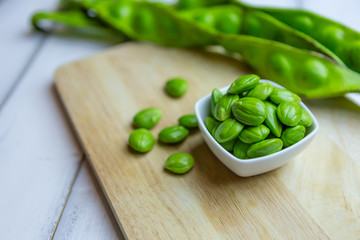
(47, 188)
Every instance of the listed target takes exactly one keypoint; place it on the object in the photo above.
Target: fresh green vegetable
(215, 98)
(343, 41)
(292, 135)
(254, 134)
(147, 118)
(280, 95)
(272, 121)
(229, 146)
(244, 83)
(265, 147)
(240, 149)
(249, 111)
(228, 130)
(305, 119)
(179, 162)
(261, 91)
(222, 110)
(176, 87)
(289, 113)
(211, 123)
(173, 134)
(188, 121)
(141, 140)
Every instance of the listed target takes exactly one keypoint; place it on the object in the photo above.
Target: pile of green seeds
(255, 119)
(142, 140)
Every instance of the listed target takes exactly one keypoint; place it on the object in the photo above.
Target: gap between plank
(68, 195)
(23, 71)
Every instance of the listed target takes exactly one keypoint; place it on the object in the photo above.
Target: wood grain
(102, 93)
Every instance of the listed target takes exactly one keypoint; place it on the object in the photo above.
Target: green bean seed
(249, 111)
(173, 134)
(228, 130)
(305, 119)
(188, 121)
(240, 149)
(141, 140)
(216, 95)
(228, 22)
(176, 87)
(265, 147)
(261, 91)
(289, 113)
(229, 146)
(211, 123)
(254, 134)
(222, 110)
(244, 83)
(272, 121)
(179, 162)
(280, 95)
(147, 118)
(292, 135)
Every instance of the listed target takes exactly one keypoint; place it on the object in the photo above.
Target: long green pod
(233, 19)
(340, 39)
(153, 22)
(306, 73)
(75, 21)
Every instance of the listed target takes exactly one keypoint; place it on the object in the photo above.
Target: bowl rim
(308, 137)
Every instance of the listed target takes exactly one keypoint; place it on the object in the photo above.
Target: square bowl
(253, 166)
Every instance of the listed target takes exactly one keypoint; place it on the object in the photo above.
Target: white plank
(39, 154)
(86, 214)
(17, 43)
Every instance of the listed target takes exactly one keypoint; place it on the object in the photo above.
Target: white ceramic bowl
(254, 166)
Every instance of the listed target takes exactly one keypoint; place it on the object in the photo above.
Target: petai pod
(228, 130)
(254, 134)
(342, 40)
(240, 149)
(140, 20)
(237, 19)
(289, 113)
(272, 121)
(292, 135)
(249, 111)
(76, 21)
(222, 110)
(261, 91)
(265, 147)
(315, 77)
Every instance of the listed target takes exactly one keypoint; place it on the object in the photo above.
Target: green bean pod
(254, 134)
(153, 22)
(265, 147)
(307, 73)
(216, 95)
(305, 119)
(341, 40)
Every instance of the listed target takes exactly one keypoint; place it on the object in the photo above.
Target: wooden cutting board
(316, 196)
